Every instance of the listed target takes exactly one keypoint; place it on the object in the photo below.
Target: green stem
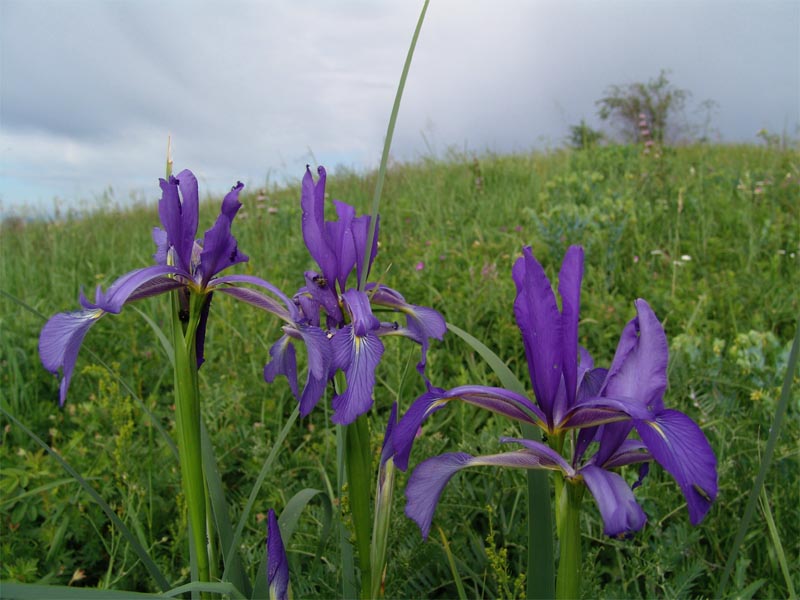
(187, 424)
(569, 527)
(358, 459)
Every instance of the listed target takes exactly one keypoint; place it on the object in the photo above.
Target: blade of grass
(148, 563)
(462, 595)
(766, 460)
(540, 574)
(237, 536)
(776, 543)
(220, 511)
(387, 144)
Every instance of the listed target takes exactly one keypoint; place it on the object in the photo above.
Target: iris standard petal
(539, 322)
(277, 565)
(312, 202)
(569, 288)
(639, 369)
(178, 210)
(60, 341)
(618, 507)
(357, 356)
(340, 237)
(680, 446)
(220, 248)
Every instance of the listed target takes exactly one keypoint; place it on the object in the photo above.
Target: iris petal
(277, 565)
(569, 288)
(312, 202)
(357, 356)
(284, 362)
(680, 446)
(539, 322)
(220, 248)
(618, 507)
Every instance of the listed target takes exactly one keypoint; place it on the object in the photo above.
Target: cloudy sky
(252, 91)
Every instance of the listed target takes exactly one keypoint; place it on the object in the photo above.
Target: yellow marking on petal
(702, 492)
(658, 429)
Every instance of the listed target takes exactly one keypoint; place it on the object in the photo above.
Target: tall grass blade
(766, 460)
(148, 563)
(776, 544)
(540, 575)
(387, 144)
(219, 508)
(462, 595)
(265, 468)
(221, 588)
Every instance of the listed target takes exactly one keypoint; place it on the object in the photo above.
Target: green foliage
(657, 102)
(583, 137)
(729, 311)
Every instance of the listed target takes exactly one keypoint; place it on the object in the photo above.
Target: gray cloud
(89, 89)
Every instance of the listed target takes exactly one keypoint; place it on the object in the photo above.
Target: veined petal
(427, 481)
(618, 507)
(220, 248)
(639, 368)
(547, 457)
(628, 453)
(320, 359)
(539, 322)
(179, 215)
(312, 202)
(361, 316)
(277, 565)
(290, 313)
(135, 285)
(357, 356)
(284, 362)
(340, 237)
(599, 410)
(497, 400)
(680, 446)
(60, 341)
(569, 288)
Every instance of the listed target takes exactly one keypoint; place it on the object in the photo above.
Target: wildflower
(419, 266)
(339, 249)
(277, 565)
(573, 397)
(182, 263)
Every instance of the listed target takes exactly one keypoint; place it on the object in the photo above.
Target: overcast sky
(90, 89)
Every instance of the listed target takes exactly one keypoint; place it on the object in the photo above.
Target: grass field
(708, 235)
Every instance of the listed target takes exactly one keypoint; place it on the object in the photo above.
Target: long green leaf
(387, 143)
(236, 574)
(34, 591)
(265, 468)
(540, 576)
(766, 460)
(42, 488)
(151, 567)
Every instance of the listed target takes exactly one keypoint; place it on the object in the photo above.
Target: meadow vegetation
(708, 235)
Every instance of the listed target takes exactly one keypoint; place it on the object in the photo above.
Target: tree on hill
(658, 100)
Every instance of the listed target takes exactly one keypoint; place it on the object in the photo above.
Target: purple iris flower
(573, 397)
(277, 565)
(339, 249)
(182, 263)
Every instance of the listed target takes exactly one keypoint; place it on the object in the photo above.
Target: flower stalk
(569, 527)
(187, 424)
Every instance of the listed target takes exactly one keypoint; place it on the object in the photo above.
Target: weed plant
(710, 235)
